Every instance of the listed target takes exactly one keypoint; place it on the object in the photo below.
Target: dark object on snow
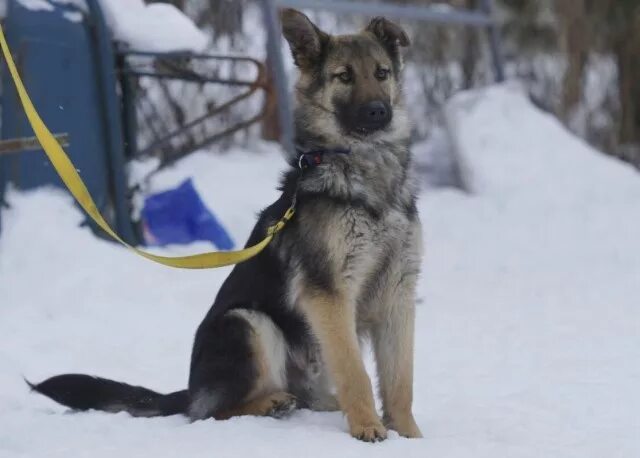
(180, 216)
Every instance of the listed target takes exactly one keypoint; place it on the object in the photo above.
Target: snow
(80, 5)
(528, 326)
(36, 5)
(47, 5)
(158, 27)
(73, 16)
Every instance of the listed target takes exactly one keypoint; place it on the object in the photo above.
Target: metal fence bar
(105, 61)
(494, 41)
(435, 14)
(18, 145)
(270, 11)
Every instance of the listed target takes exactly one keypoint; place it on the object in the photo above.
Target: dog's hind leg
(277, 405)
(238, 367)
(323, 400)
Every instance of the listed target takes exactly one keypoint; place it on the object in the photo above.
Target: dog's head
(349, 85)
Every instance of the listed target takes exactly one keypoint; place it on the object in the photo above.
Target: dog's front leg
(333, 322)
(393, 347)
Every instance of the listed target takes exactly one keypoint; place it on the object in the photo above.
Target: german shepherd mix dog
(286, 325)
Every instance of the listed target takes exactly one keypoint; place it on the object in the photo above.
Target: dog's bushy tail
(84, 392)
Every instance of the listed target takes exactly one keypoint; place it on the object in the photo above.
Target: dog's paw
(369, 433)
(411, 432)
(406, 427)
(282, 405)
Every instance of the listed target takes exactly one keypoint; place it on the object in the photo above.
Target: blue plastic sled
(179, 216)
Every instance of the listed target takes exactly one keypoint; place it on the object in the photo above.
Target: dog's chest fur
(357, 228)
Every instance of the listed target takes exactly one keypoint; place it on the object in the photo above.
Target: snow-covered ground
(528, 326)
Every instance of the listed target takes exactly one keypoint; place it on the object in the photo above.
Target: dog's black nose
(374, 115)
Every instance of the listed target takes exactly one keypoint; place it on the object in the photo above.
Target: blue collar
(311, 159)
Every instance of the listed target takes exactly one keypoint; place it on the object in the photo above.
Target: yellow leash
(76, 186)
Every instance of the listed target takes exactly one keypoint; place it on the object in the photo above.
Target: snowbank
(527, 329)
(159, 27)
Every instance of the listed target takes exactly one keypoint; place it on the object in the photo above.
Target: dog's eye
(345, 77)
(382, 74)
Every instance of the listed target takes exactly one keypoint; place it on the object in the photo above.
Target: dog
(285, 329)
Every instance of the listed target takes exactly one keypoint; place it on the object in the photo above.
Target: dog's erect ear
(305, 39)
(388, 33)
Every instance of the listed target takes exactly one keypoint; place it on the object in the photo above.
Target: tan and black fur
(286, 326)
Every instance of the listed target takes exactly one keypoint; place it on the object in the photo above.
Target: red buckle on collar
(315, 158)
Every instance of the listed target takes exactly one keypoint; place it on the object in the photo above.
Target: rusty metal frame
(126, 71)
